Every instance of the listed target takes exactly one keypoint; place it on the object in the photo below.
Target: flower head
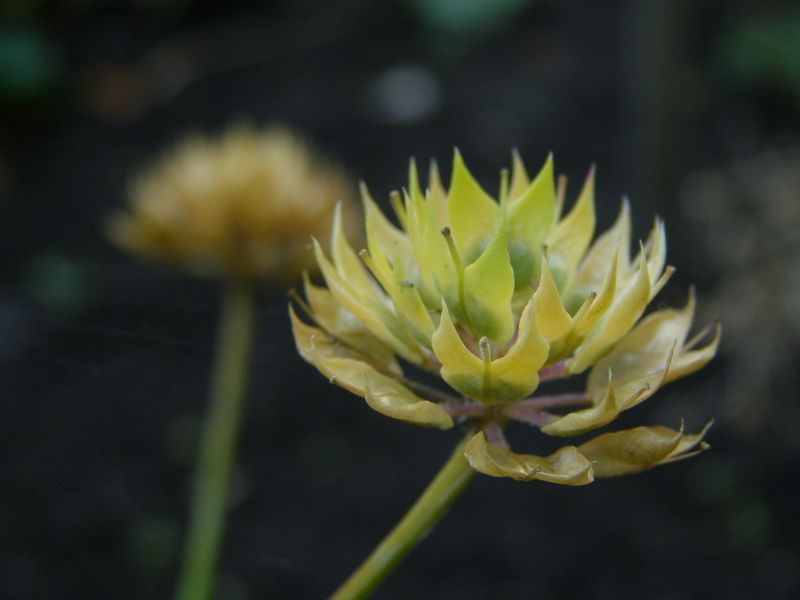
(498, 297)
(243, 205)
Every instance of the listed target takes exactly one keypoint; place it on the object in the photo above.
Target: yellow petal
(408, 304)
(461, 369)
(656, 247)
(349, 370)
(347, 262)
(438, 274)
(552, 318)
(561, 193)
(414, 188)
(572, 235)
(516, 374)
(649, 346)
(662, 281)
(643, 360)
(399, 209)
(690, 445)
(612, 245)
(531, 215)
(565, 467)
(437, 195)
(620, 317)
(389, 398)
(370, 314)
(429, 250)
(689, 361)
(382, 238)
(382, 393)
(384, 234)
(585, 320)
(631, 450)
(587, 419)
(472, 211)
(519, 176)
(488, 288)
(343, 325)
(312, 342)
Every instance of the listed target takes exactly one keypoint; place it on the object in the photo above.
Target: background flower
(244, 205)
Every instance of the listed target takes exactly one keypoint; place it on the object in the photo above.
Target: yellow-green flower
(242, 205)
(497, 297)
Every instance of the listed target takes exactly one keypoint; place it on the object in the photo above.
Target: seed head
(241, 205)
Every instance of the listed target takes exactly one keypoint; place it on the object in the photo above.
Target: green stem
(429, 508)
(218, 444)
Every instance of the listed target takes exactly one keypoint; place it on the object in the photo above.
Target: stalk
(218, 444)
(426, 512)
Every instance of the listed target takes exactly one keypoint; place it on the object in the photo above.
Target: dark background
(690, 108)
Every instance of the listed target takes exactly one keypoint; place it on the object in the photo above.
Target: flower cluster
(239, 206)
(497, 297)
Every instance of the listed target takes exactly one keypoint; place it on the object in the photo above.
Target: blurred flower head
(243, 205)
(497, 297)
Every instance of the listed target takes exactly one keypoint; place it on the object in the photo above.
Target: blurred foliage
(57, 282)
(745, 517)
(764, 50)
(31, 63)
(459, 23)
(749, 525)
(152, 543)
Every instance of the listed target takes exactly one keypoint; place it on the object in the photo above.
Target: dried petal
(635, 450)
(565, 467)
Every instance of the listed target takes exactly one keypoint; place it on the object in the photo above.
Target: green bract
(496, 297)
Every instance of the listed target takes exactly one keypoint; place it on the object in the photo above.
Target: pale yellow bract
(242, 205)
(496, 297)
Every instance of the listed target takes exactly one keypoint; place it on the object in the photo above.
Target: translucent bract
(497, 297)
